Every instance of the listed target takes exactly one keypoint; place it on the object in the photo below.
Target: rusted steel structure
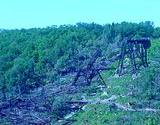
(89, 71)
(134, 49)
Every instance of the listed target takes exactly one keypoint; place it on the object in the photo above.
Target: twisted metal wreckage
(28, 108)
(132, 48)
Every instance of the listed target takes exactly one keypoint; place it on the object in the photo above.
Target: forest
(38, 67)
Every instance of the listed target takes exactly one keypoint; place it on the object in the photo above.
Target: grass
(100, 115)
(136, 91)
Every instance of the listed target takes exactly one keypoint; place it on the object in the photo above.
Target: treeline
(30, 58)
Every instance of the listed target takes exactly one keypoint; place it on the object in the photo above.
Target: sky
(17, 14)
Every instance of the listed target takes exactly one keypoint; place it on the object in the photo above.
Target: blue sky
(42, 13)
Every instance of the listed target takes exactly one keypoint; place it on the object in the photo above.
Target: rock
(116, 76)
(104, 93)
(134, 76)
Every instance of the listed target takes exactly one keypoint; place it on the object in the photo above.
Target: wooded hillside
(33, 59)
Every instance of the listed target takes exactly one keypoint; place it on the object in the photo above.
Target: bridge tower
(136, 51)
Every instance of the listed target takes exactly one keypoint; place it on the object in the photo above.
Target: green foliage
(154, 50)
(30, 58)
(51, 48)
(101, 115)
(143, 92)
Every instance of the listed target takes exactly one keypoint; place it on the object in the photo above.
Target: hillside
(40, 82)
(139, 97)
